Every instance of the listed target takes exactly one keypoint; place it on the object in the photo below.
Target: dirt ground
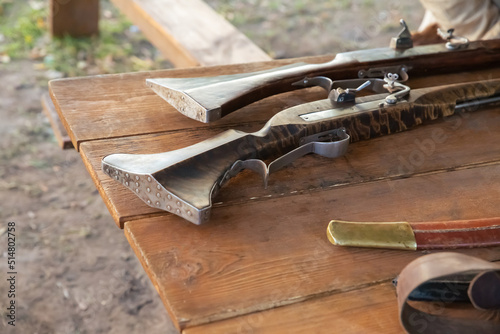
(75, 270)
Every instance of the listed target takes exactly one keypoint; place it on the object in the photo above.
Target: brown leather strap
(445, 315)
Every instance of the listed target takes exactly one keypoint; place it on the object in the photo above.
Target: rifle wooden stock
(207, 99)
(184, 181)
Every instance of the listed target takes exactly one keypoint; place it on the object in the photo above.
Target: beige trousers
(474, 19)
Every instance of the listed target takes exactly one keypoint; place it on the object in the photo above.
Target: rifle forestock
(184, 181)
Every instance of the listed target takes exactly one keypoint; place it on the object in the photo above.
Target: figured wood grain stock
(424, 105)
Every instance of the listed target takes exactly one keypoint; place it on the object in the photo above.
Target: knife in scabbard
(416, 235)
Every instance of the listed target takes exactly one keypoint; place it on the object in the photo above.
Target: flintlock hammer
(184, 181)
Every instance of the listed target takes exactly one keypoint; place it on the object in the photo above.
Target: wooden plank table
(263, 263)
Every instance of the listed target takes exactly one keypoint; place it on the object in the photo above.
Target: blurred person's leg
(474, 19)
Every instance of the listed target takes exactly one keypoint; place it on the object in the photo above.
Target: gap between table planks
(59, 131)
(371, 309)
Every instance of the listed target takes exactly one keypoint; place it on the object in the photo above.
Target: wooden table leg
(77, 18)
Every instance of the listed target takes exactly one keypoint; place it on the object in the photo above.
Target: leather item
(464, 295)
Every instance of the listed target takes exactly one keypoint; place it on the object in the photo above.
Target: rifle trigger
(330, 144)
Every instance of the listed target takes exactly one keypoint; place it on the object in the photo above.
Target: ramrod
(184, 181)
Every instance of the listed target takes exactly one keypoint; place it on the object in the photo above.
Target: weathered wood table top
(263, 262)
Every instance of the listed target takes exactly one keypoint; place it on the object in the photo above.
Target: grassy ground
(120, 46)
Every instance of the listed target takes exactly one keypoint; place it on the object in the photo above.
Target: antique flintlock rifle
(184, 181)
(208, 99)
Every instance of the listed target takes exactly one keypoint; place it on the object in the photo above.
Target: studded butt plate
(148, 189)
